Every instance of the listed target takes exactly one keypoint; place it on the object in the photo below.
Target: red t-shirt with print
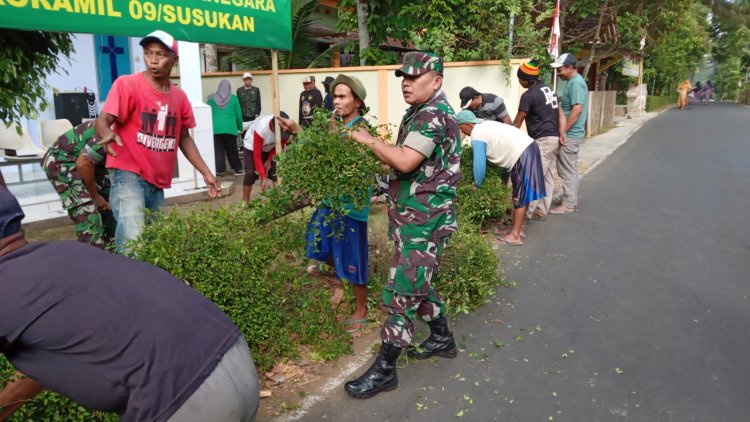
(149, 122)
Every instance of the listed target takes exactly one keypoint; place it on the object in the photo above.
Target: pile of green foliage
(49, 406)
(469, 271)
(480, 206)
(323, 164)
(253, 273)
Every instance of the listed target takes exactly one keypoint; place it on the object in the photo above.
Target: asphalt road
(635, 308)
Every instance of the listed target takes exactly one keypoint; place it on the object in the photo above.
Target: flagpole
(555, 39)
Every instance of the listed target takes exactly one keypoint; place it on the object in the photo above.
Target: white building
(96, 62)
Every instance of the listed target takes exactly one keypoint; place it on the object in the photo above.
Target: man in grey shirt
(114, 334)
(484, 106)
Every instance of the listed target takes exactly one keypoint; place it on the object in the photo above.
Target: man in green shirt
(574, 101)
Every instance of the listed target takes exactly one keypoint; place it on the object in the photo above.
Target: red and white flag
(554, 38)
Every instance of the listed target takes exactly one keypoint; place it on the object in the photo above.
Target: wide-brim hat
(352, 82)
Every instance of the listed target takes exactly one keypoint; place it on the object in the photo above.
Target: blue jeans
(129, 197)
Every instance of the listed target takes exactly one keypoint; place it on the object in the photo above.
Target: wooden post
(275, 95)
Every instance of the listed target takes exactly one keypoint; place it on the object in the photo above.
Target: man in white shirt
(259, 148)
(510, 148)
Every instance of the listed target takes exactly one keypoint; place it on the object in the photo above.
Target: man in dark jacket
(309, 99)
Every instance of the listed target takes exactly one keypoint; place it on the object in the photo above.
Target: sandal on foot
(562, 210)
(351, 322)
(504, 233)
(507, 242)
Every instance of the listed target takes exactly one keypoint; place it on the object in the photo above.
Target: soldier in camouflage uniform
(95, 227)
(422, 193)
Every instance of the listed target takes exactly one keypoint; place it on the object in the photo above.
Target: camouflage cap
(418, 63)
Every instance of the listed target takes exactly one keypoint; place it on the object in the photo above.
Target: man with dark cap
(120, 336)
(539, 107)
(422, 194)
(151, 118)
(574, 102)
(328, 101)
(485, 106)
(309, 99)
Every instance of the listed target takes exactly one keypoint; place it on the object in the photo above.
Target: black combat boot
(439, 343)
(380, 377)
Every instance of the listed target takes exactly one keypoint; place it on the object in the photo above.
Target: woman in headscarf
(227, 118)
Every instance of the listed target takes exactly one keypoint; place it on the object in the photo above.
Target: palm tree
(304, 53)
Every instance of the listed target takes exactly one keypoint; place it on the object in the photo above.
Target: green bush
(469, 271)
(253, 273)
(656, 103)
(490, 202)
(49, 406)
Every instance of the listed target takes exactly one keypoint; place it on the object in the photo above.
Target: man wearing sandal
(508, 147)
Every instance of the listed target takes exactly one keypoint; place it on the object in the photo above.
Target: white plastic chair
(22, 144)
(50, 130)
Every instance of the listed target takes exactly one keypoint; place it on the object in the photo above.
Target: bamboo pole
(275, 96)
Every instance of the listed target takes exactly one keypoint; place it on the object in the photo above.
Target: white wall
(383, 87)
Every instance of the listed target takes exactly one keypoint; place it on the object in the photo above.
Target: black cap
(11, 213)
(327, 81)
(466, 95)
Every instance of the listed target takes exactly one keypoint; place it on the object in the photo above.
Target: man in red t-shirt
(151, 118)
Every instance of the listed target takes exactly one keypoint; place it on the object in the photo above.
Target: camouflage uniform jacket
(423, 201)
(80, 140)
(249, 102)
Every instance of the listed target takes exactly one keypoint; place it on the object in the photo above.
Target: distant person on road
(74, 165)
(259, 151)
(309, 100)
(509, 148)
(484, 106)
(339, 242)
(151, 118)
(575, 102)
(115, 334)
(683, 89)
(708, 92)
(422, 215)
(539, 107)
(227, 122)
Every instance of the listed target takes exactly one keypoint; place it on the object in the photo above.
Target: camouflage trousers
(409, 291)
(92, 227)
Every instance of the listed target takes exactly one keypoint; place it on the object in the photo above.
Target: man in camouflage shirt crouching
(422, 192)
(74, 151)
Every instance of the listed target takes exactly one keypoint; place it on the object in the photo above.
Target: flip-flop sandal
(505, 242)
(503, 233)
(558, 211)
(361, 323)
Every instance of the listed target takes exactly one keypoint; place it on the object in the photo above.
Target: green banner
(251, 23)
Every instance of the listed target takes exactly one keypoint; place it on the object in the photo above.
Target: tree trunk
(363, 12)
(212, 57)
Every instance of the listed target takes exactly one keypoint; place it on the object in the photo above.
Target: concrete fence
(384, 96)
(601, 113)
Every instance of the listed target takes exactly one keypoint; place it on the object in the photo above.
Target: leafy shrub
(49, 406)
(252, 272)
(322, 165)
(488, 203)
(469, 271)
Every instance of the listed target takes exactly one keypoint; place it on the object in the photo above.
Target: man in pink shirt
(151, 118)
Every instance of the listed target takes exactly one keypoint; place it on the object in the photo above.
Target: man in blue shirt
(574, 101)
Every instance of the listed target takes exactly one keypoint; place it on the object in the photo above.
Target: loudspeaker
(75, 106)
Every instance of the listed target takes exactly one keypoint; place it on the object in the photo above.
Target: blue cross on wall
(112, 56)
(113, 51)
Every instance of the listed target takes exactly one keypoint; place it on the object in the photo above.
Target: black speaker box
(75, 106)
